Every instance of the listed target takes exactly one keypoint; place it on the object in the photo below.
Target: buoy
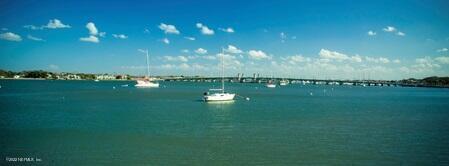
(113, 87)
(247, 98)
(311, 94)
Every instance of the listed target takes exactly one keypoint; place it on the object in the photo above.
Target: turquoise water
(91, 123)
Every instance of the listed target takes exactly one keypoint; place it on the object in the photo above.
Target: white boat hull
(271, 85)
(146, 84)
(219, 97)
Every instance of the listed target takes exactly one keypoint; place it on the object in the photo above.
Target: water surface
(86, 122)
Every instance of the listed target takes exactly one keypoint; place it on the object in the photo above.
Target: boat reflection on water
(220, 105)
(224, 102)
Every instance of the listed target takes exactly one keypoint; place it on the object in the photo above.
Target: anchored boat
(147, 81)
(219, 94)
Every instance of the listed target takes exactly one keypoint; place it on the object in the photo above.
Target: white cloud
(400, 33)
(120, 36)
(201, 51)
(133, 67)
(384, 60)
(52, 24)
(185, 51)
(258, 55)
(442, 50)
(167, 66)
(184, 66)
(372, 33)
(233, 50)
(10, 36)
(102, 34)
(425, 64)
(423, 60)
(168, 29)
(32, 27)
(165, 40)
(226, 56)
(392, 29)
(283, 36)
(356, 58)
(369, 59)
(442, 59)
(209, 57)
(193, 57)
(228, 30)
(326, 54)
(389, 29)
(91, 38)
(377, 60)
(55, 24)
(204, 29)
(34, 38)
(404, 69)
(198, 66)
(142, 50)
(92, 29)
(93, 32)
(176, 58)
(296, 59)
(396, 61)
(189, 38)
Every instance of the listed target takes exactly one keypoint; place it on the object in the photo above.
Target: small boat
(271, 84)
(283, 82)
(96, 80)
(147, 82)
(220, 95)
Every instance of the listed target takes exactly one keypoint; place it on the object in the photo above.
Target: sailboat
(219, 94)
(147, 82)
(271, 83)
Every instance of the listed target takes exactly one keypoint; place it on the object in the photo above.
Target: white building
(105, 77)
(73, 77)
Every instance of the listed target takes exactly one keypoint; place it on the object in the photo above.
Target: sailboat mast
(148, 65)
(222, 72)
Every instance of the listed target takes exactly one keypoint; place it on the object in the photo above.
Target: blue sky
(306, 39)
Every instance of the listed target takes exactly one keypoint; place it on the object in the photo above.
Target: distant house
(72, 77)
(121, 77)
(49, 76)
(17, 76)
(105, 77)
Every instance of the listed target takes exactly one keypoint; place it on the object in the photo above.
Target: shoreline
(182, 80)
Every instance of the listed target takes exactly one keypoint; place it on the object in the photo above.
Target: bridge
(263, 80)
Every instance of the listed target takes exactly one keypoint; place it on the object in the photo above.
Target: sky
(323, 39)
